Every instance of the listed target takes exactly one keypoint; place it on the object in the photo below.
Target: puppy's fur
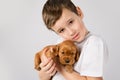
(66, 53)
(51, 52)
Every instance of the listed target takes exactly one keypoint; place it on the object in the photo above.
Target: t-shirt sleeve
(93, 58)
(59, 40)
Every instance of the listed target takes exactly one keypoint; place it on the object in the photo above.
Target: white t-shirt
(92, 58)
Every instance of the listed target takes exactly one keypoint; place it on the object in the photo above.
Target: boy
(65, 19)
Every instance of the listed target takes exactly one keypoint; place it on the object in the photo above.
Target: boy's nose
(71, 32)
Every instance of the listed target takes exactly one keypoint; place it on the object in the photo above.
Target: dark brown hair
(52, 10)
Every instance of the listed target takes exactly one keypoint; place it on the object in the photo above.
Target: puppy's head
(68, 52)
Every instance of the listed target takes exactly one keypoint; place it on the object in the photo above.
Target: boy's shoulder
(93, 36)
(94, 39)
(91, 39)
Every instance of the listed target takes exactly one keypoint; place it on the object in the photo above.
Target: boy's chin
(78, 40)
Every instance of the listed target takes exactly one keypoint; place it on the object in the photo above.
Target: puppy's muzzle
(67, 60)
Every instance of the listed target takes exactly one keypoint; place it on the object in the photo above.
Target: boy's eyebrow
(66, 24)
(69, 20)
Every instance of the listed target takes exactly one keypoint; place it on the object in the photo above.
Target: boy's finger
(46, 64)
(43, 56)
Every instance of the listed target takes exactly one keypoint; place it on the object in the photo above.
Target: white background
(23, 33)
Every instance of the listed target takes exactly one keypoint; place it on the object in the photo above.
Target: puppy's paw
(69, 68)
(37, 68)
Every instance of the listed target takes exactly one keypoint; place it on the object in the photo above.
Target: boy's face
(70, 26)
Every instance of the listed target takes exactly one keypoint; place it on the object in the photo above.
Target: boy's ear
(80, 13)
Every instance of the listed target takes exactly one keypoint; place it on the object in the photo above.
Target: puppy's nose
(67, 60)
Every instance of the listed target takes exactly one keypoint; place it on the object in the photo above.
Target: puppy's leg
(77, 54)
(37, 61)
(69, 68)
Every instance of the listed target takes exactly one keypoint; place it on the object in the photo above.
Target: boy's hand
(47, 67)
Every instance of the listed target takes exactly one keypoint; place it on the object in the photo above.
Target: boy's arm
(76, 76)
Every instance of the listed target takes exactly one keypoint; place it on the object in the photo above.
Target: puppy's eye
(72, 53)
(62, 52)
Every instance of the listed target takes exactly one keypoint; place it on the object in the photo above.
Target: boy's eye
(71, 22)
(62, 30)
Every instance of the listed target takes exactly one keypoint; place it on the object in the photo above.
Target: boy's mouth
(76, 36)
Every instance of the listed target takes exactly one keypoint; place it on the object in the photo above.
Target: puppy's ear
(77, 53)
(57, 50)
